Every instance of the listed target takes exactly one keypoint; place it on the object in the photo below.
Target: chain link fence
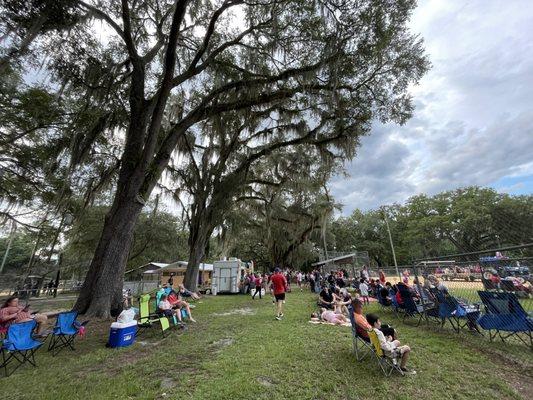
(489, 293)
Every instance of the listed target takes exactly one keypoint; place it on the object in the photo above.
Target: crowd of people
(335, 299)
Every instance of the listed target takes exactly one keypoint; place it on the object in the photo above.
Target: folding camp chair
(388, 363)
(361, 347)
(412, 308)
(381, 300)
(504, 313)
(396, 307)
(19, 346)
(147, 319)
(65, 331)
(457, 314)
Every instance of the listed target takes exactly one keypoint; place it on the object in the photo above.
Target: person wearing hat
(279, 287)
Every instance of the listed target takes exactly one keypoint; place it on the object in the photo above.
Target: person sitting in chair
(12, 313)
(384, 291)
(437, 283)
(165, 308)
(362, 324)
(176, 301)
(389, 345)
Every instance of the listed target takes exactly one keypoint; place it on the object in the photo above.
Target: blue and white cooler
(122, 334)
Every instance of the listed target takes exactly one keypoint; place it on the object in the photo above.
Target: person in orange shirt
(362, 325)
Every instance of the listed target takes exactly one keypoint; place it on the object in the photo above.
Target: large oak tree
(162, 74)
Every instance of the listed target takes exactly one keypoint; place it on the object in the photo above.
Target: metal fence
(490, 294)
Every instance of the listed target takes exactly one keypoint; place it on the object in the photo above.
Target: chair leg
(5, 361)
(454, 326)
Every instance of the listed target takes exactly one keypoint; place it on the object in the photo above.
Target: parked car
(458, 273)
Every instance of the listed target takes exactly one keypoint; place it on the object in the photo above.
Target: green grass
(255, 357)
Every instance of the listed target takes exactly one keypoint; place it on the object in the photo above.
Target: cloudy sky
(473, 123)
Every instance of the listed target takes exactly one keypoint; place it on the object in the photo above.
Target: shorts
(168, 313)
(398, 351)
(280, 297)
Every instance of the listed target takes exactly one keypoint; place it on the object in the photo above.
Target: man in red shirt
(279, 286)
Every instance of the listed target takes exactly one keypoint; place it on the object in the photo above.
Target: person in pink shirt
(330, 316)
(12, 313)
(258, 285)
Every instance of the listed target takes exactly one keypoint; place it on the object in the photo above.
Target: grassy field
(237, 350)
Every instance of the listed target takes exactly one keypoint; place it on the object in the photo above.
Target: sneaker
(408, 371)
(278, 318)
(281, 315)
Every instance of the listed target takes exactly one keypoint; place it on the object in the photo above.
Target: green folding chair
(147, 319)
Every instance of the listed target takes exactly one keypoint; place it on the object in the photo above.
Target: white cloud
(473, 122)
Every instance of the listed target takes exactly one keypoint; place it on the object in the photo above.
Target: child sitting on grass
(391, 347)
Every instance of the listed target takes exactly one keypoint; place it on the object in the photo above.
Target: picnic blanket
(329, 323)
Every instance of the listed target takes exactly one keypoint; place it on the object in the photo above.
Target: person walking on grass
(279, 287)
(258, 285)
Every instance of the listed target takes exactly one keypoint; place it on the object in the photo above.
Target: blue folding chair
(65, 331)
(459, 315)
(505, 317)
(396, 307)
(19, 346)
(381, 300)
(411, 307)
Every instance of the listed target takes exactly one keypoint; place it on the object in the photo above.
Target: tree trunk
(102, 289)
(196, 254)
(199, 234)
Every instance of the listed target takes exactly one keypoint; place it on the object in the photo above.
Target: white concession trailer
(227, 275)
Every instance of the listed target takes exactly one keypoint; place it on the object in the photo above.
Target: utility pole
(390, 240)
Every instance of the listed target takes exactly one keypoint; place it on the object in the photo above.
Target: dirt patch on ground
(220, 344)
(237, 311)
(266, 381)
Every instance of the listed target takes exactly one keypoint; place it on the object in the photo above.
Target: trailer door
(225, 280)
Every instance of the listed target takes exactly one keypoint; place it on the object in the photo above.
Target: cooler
(122, 334)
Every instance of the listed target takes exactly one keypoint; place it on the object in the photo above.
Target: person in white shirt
(166, 308)
(391, 347)
(299, 279)
(363, 289)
